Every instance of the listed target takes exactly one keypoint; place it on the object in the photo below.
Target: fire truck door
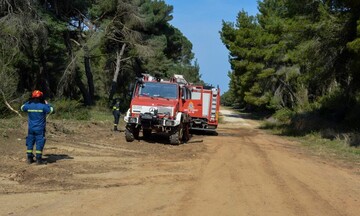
(194, 105)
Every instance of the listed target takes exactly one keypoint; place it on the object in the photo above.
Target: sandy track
(242, 171)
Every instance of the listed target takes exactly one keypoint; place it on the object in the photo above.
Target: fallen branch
(8, 105)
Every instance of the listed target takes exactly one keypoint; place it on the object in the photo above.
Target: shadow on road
(53, 158)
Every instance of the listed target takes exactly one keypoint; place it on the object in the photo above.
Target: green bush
(70, 109)
(284, 115)
(226, 99)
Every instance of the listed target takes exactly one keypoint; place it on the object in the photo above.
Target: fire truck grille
(165, 110)
(151, 109)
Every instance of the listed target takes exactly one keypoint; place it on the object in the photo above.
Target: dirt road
(242, 171)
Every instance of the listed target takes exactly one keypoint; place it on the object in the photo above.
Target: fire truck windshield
(155, 89)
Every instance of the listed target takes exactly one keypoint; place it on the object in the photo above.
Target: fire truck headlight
(133, 120)
(169, 123)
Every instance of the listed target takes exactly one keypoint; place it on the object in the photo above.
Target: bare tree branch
(118, 61)
(8, 105)
(67, 71)
(77, 43)
(10, 8)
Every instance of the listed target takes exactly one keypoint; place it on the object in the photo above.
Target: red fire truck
(157, 106)
(171, 106)
(203, 107)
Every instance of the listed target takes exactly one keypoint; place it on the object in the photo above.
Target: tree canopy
(299, 55)
(87, 50)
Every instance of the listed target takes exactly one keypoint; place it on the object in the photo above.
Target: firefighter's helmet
(36, 94)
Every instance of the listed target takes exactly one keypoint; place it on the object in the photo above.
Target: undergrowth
(322, 136)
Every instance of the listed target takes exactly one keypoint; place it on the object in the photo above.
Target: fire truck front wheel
(180, 134)
(131, 134)
(175, 136)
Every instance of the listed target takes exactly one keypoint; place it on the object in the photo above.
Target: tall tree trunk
(117, 71)
(84, 91)
(44, 77)
(82, 87)
(89, 75)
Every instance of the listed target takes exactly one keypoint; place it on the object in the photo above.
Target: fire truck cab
(157, 106)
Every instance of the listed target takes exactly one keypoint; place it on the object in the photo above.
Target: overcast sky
(200, 21)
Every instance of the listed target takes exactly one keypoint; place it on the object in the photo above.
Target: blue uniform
(36, 126)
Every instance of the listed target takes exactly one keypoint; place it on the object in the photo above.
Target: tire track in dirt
(230, 176)
(314, 204)
(239, 176)
(276, 179)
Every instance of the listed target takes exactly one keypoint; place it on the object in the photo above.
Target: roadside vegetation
(321, 140)
(299, 61)
(318, 139)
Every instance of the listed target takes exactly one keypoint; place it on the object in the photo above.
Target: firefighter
(37, 109)
(116, 113)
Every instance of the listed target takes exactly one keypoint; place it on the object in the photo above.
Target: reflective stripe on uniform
(115, 124)
(38, 152)
(22, 108)
(51, 110)
(29, 151)
(38, 111)
(115, 108)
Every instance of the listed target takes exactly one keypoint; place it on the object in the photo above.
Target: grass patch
(12, 123)
(325, 143)
(334, 148)
(101, 114)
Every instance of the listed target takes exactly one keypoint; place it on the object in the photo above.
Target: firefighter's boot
(40, 161)
(115, 128)
(30, 159)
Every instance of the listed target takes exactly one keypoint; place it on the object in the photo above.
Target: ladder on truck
(214, 105)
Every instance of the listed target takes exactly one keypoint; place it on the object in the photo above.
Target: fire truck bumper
(149, 122)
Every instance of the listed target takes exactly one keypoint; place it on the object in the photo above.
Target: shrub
(70, 109)
(284, 115)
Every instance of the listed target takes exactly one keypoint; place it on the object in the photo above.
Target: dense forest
(87, 51)
(297, 58)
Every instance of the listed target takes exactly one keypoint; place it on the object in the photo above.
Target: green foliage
(284, 115)
(227, 99)
(69, 49)
(70, 109)
(297, 56)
